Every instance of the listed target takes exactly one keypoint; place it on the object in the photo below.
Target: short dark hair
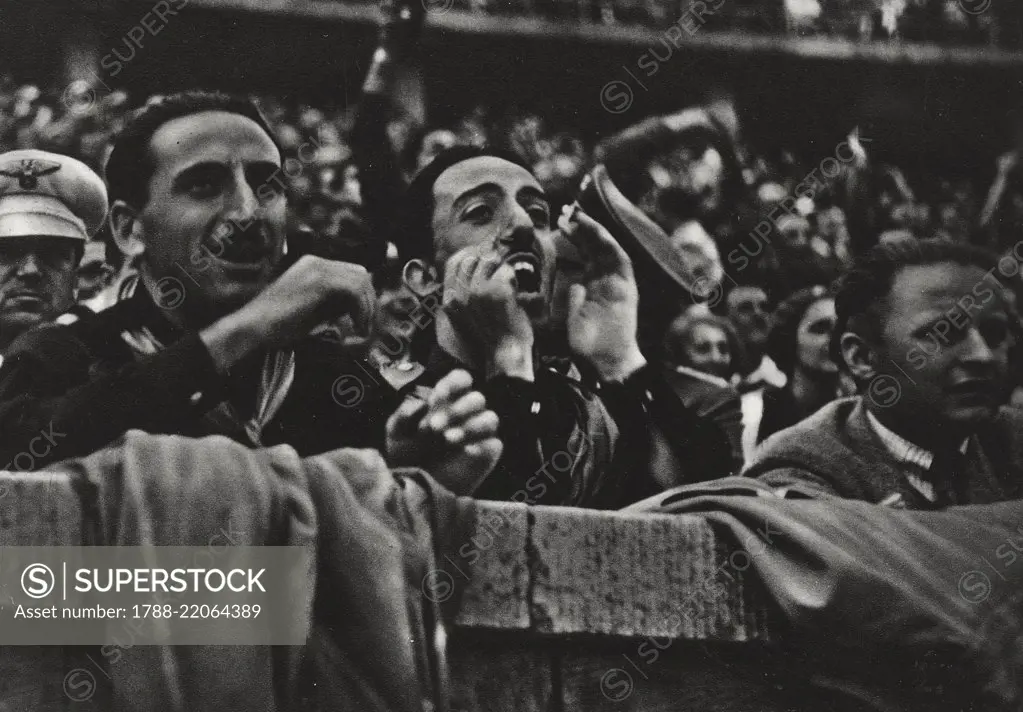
(130, 167)
(864, 288)
(413, 234)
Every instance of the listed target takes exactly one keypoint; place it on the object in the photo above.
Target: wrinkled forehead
(921, 291)
(211, 136)
(477, 172)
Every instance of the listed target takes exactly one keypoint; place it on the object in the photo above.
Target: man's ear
(420, 277)
(126, 229)
(859, 356)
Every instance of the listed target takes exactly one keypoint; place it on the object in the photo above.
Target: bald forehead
(479, 171)
(220, 136)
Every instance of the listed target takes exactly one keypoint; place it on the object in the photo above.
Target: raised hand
(603, 307)
(451, 434)
(481, 305)
(309, 293)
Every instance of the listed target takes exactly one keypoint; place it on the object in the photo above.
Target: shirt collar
(903, 450)
(146, 313)
(767, 372)
(910, 453)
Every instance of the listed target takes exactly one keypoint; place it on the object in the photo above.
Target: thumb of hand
(576, 299)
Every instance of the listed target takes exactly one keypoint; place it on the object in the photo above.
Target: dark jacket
(883, 610)
(714, 399)
(837, 451)
(780, 411)
(604, 447)
(83, 383)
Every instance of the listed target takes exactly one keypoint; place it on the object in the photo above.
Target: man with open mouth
(50, 205)
(475, 231)
(223, 333)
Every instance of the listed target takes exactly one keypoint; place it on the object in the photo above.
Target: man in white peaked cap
(50, 205)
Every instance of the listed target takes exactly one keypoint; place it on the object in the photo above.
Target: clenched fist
(309, 293)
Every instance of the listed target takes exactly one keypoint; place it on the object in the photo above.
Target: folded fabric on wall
(888, 609)
(375, 533)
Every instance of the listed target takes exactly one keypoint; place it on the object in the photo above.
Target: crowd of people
(942, 21)
(759, 242)
(740, 344)
(525, 317)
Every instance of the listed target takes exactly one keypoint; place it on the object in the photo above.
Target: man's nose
(976, 348)
(519, 226)
(244, 204)
(30, 266)
(520, 218)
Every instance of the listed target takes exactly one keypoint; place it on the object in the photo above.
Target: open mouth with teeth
(528, 277)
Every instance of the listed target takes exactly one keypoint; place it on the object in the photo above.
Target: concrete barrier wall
(563, 610)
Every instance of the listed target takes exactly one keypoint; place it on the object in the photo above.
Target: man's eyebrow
(197, 169)
(213, 166)
(270, 166)
(473, 192)
(530, 191)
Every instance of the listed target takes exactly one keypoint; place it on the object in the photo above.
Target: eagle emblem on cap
(28, 171)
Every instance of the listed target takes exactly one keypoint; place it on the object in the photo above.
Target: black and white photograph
(511, 356)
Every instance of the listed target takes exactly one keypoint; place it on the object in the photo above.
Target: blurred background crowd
(763, 228)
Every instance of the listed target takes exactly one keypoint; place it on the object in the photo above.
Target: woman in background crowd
(798, 343)
(703, 343)
(704, 355)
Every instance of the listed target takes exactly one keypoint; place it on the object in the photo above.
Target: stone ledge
(543, 570)
(559, 571)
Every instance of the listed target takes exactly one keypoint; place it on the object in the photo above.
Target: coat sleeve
(783, 476)
(645, 403)
(724, 407)
(56, 403)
